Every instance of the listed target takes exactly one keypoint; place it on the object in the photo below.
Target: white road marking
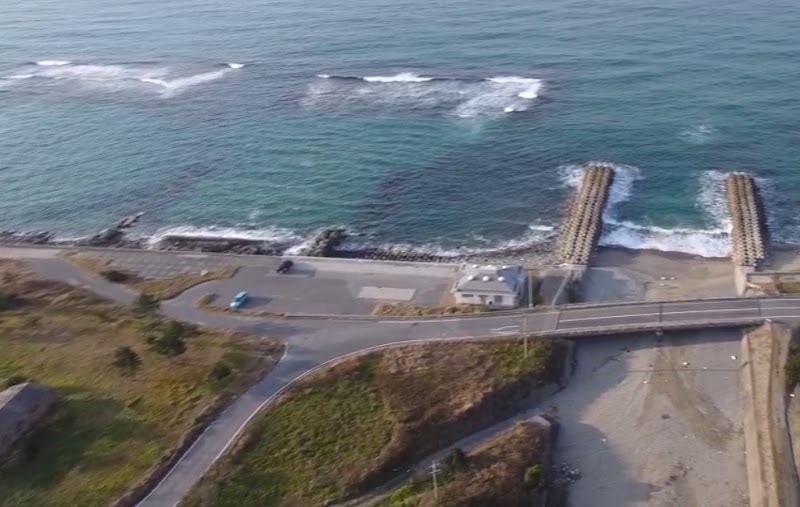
(504, 328)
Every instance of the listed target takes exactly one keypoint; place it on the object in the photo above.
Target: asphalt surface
(311, 343)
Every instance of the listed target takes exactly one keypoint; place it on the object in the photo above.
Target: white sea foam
(53, 63)
(122, 77)
(699, 134)
(532, 86)
(403, 77)
(711, 242)
(465, 98)
(273, 235)
(175, 85)
(535, 235)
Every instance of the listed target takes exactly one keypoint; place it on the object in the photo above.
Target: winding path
(312, 343)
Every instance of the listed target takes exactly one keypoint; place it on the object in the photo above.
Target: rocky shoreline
(328, 242)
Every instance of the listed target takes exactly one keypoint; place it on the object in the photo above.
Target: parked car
(285, 266)
(239, 300)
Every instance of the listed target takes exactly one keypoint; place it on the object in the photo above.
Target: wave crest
(121, 77)
(463, 97)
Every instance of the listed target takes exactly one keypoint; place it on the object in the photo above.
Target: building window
(466, 295)
(498, 300)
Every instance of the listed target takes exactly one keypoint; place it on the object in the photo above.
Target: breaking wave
(462, 97)
(143, 77)
(53, 63)
(403, 77)
(294, 243)
(708, 242)
(272, 235)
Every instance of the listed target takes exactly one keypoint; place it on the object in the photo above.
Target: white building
(499, 286)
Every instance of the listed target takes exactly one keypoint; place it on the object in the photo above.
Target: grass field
(111, 427)
(353, 425)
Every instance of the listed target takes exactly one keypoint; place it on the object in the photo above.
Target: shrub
(221, 370)
(115, 276)
(455, 461)
(9, 301)
(181, 329)
(127, 360)
(145, 304)
(14, 380)
(793, 370)
(534, 476)
(167, 344)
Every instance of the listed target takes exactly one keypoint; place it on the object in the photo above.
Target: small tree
(145, 304)
(456, 461)
(127, 360)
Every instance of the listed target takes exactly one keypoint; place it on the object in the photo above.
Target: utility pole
(525, 336)
(435, 470)
(530, 288)
(525, 318)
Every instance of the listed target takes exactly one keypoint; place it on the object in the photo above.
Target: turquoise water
(150, 116)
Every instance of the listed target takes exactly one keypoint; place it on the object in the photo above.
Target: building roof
(491, 279)
(16, 403)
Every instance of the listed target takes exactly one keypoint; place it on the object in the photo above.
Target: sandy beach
(646, 430)
(634, 275)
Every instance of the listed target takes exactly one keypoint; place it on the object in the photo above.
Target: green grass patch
(793, 370)
(308, 439)
(351, 426)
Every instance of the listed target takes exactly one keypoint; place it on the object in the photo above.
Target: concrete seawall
(584, 221)
(771, 475)
(749, 233)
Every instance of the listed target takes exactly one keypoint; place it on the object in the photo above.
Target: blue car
(239, 300)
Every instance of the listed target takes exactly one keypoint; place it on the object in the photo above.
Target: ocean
(441, 125)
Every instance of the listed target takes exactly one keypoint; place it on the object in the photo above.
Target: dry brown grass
(346, 428)
(111, 428)
(495, 474)
(407, 310)
(169, 288)
(161, 289)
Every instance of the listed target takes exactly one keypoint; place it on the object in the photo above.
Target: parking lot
(308, 289)
(312, 285)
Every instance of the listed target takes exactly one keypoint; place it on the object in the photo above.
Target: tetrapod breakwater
(749, 228)
(583, 223)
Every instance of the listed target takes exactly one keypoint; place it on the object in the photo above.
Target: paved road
(312, 342)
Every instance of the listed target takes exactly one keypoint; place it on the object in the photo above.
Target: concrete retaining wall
(771, 476)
